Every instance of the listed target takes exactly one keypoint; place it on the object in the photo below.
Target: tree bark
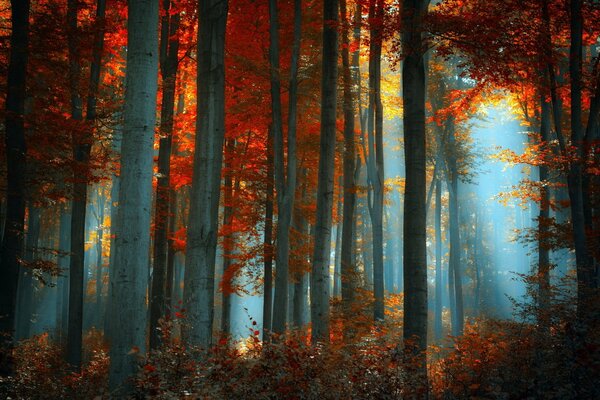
(27, 282)
(168, 58)
(285, 183)
(375, 158)
(415, 254)
(82, 145)
(438, 328)
(132, 244)
(543, 219)
(268, 244)
(206, 182)
(320, 268)
(14, 140)
(348, 261)
(454, 228)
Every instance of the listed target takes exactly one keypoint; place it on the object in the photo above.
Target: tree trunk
(81, 153)
(27, 282)
(268, 244)
(338, 245)
(320, 269)
(99, 261)
(543, 218)
(14, 140)
(438, 328)
(348, 263)
(206, 182)
(285, 185)
(169, 47)
(375, 158)
(62, 298)
(585, 278)
(132, 244)
(228, 239)
(415, 254)
(454, 228)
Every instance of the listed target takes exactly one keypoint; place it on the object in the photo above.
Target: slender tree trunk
(348, 247)
(268, 244)
(438, 328)
(82, 145)
(228, 242)
(375, 158)
(320, 269)
(14, 140)
(132, 244)
(168, 58)
(585, 277)
(206, 183)
(174, 207)
(415, 254)
(62, 288)
(338, 245)
(285, 185)
(27, 282)
(301, 281)
(543, 218)
(99, 262)
(454, 227)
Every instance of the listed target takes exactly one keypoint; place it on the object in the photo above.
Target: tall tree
(168, 60)
(348, 269)
(454, 230)
(132, 244)
(206, 181)
(14, 139)
(285, 183)
(268, 243)
(375, 168)
(319, 294)
(437, 319)
(415, 255)
(82, 145)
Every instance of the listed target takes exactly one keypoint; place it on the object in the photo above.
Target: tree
(206, 181)
(14, 138)
(82, 145)
(348, 269)
(169, 48)
(375, 168)
(319, 294)
(132, 244)
(285, 183)
(415, 256)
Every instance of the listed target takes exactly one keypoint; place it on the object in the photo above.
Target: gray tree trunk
(348, 262)
(268, 245)
(415, 254)
(206, 182)
(285, 183)
(81, 153)
(438, 328)
(543, 218)
(132, 244)
(375, 166)
(319, 288)
(169, 47)
(455, 267)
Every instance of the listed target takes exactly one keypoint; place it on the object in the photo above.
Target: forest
(300, 199)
